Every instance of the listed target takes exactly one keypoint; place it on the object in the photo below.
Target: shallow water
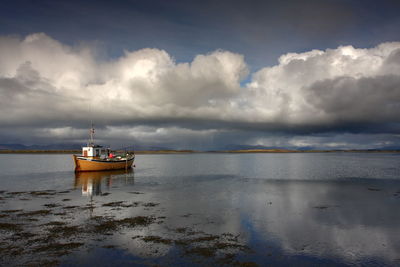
(203, 209)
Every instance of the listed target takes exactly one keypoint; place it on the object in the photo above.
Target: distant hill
(40, 147)
(12, 147)
(246, 147)
(260, 147)
(149, 148)
(234, 147)
(72, 147)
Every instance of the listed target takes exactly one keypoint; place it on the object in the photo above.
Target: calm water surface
(333, 209)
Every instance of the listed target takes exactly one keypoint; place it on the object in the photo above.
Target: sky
(204, 75)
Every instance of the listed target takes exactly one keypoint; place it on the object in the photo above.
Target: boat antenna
(91, 134)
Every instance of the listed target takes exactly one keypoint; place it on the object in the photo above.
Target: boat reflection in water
(91, 181)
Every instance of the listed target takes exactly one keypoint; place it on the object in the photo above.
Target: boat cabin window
(91, 151)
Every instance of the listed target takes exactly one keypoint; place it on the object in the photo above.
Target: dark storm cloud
(261, 30)
(347, 99)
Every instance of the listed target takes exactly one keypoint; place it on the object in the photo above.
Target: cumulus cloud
(47, 84)
(52, 79)
(325, 88)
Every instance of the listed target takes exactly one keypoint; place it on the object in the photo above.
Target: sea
(202, 209)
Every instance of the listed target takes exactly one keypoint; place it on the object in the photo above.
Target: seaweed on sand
(16, 193)
(11, 250)
(117, 204)
(373, 189)
(151, 204)
(55, 223)
(64, 231)
(321, 207)
(34, 213)
(105, 225)
(135, 193)
(58, 247)
(43, 193)
(60, 213)
(181, 229)
(24, 235)
(70, 207)
(10, 227)
(157, 239)
(187, 231)
(206, 248)
(10, 211)
(137, 221)
(227, 245)
(204, 238)
(51, 205)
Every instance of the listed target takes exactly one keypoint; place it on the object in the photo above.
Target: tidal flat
(46, 235)
(336, 209)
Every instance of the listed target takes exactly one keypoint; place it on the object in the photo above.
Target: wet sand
(45, 236)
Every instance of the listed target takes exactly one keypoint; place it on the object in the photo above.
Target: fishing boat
(96, 158)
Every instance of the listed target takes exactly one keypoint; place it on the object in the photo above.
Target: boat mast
(91, 135)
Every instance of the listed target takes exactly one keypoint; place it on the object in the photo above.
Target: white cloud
(142, 84)
(355, 83)
(44, 82)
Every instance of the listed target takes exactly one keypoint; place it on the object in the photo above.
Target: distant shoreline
(242, 151)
